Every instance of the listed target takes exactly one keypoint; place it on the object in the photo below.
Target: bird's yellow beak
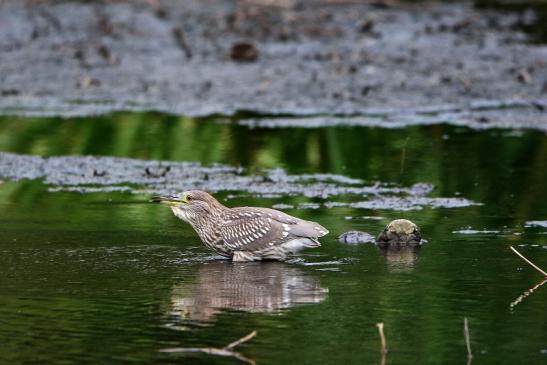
(171, 200)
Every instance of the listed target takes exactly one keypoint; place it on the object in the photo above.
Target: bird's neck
(209, 221)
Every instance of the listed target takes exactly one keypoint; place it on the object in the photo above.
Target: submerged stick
(467, 339)
(225, 351)
(528, 261)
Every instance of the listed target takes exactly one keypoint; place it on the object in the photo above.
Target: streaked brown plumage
(245, 233)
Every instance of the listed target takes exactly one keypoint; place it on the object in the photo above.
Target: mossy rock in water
(400, 232)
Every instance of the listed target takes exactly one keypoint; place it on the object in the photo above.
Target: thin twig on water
(528, 261)
(224, 351)
(383, 342)
(521, 297)
(240, 341)
(467, 340)
(382, 337)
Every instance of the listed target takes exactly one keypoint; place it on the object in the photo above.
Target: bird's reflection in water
(250, 287)
(400, 259)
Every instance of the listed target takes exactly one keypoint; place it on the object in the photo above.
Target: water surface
(109, 278)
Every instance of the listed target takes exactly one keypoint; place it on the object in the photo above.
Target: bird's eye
(188, 198)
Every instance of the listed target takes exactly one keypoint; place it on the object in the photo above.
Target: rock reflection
(250, 287)
(400, 259)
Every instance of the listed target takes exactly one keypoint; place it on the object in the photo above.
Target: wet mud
(327, 62)
(106, 174)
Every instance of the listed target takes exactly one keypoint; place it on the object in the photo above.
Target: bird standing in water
(244, 233)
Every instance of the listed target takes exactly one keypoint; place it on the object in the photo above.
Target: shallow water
(107, 277)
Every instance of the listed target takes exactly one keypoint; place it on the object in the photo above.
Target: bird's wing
(298, 227)
(259, 228)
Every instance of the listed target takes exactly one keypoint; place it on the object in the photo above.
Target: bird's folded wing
(297, 227)
(251, 233)
(259, 228)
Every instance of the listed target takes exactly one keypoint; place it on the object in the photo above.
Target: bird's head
(193, 206)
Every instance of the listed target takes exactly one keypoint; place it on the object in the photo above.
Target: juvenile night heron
(244, 233)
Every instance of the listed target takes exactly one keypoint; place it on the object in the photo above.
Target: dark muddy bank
(296, 58)
(107, 174)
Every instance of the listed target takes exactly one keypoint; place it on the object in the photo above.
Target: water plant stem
(383, 349)
(467, 339)
(382, 336)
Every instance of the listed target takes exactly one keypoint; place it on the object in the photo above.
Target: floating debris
(475, 231)
(409, 203)
(366, 217)
(282, 206)
(178, 34)
(106, 174)
(87, 81)
(421, 189)
(226, 351)
(309, 206)
(542, 224)
(324, 263)
(244, 52)
(307, 76)
(479, 116)
(356, 237)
